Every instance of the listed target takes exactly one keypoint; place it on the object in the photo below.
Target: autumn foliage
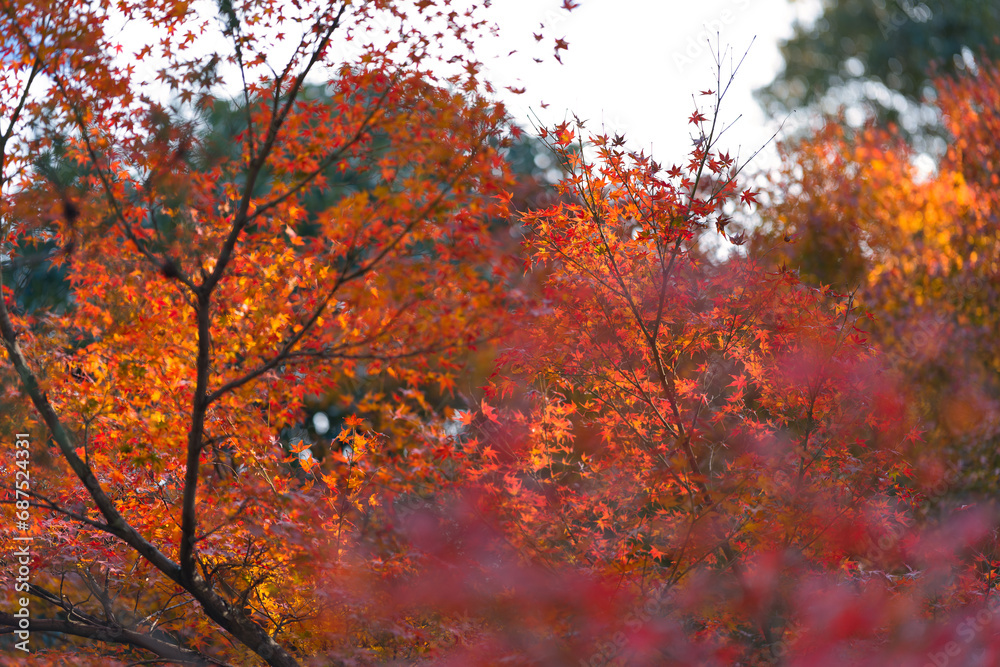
(919, 250)
(291, 397)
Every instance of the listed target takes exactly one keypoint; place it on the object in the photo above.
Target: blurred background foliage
(860, 208)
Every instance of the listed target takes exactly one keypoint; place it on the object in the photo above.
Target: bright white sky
(634, 64)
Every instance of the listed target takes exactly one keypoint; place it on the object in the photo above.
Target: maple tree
(686, 417)
(211, 294)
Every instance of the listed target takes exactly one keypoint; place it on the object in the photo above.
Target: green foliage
(879, 53)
